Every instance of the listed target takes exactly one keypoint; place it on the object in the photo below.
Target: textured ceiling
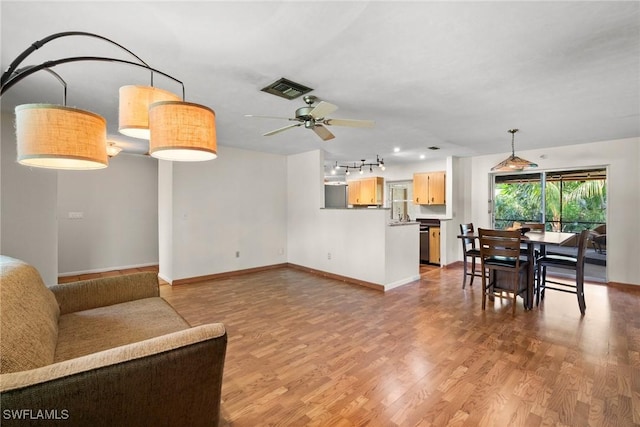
(456, 75)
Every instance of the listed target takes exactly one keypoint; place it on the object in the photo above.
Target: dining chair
(500, 257)
(469, 250)
(565, 262)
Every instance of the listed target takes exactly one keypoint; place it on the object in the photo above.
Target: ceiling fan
(315, 118)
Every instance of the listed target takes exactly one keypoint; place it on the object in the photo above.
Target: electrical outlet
(329, 255)
(237, 254)
(75, 215)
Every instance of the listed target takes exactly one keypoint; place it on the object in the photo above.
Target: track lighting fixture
(360, 167)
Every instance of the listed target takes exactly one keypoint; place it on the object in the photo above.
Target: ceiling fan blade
(268, 117)
(323, 132)
(323, 109)
(282, 129)
(350, 123)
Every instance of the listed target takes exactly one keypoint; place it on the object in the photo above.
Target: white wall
(235, 203)
(623, 195)
(352, 237)
(28, 224)
(165, 219)
(348, 242)
(119, 228)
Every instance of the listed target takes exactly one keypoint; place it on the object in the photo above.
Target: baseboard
(333, 276)
(399, 283)
(223, 275)
(346, 279)
(454, 264)
(103, 270)
(626, 286)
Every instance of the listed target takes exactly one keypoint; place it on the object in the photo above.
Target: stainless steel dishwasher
(424, 243)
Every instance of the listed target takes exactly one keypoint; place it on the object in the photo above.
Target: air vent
(286, 89)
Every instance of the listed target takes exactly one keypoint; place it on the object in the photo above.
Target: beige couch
(103, 352)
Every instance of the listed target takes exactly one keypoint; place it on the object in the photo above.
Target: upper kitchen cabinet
(366, 191)
(429, 188)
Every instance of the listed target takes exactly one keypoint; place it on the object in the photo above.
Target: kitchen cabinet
(434, 245)
(428, 188)
(366, 191)
(353, 195)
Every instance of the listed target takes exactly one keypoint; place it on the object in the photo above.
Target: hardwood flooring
(305, 350)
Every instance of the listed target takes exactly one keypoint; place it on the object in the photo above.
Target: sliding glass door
(576, 200)
(517, 198)
(567, 201)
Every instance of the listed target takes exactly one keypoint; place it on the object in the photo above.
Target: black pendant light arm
(13, 75)
(25, 72)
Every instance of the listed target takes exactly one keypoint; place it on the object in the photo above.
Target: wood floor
(311, 351)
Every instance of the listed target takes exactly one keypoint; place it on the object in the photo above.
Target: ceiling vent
(286, 89)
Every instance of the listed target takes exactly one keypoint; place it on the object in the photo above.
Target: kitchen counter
(396, 223)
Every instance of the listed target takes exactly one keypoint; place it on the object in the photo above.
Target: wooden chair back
(583, 239)
(500, 244)
(464, 229)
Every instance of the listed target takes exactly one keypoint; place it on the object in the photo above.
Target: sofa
(103, 352)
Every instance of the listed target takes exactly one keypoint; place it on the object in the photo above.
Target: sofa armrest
(174, 379)
(87, 294)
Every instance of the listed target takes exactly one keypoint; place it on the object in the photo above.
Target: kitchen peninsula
(364, 245)
(360, 244)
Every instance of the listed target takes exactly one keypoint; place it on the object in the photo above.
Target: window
(567, 201)
(401, 199)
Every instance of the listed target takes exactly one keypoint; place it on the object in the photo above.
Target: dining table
(533, 239)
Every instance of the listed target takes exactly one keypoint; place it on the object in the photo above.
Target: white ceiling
(456, 75)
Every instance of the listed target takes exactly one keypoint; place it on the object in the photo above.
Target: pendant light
(59, 137)
(133, 111)
(513, 162)
(182, 131)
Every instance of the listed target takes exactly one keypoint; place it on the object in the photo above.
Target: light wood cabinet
(434, 245)
(353, 192)
(429, 188)
(366, 191)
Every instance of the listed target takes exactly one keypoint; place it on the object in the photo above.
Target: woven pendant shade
(513, 162)
(182, 131)
(134, 108)
(57, 137)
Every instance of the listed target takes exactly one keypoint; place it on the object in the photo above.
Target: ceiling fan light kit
(314, 117)
(112, 149)
(59, 137)
(513, 162)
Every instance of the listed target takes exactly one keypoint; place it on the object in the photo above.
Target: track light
(378, 163)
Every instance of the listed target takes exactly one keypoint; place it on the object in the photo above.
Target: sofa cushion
(28, 319)
(89, 331)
